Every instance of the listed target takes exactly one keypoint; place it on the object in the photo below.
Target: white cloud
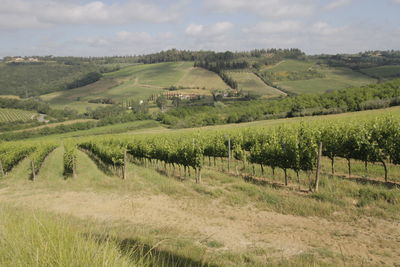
(265, 8)
(15, 22)
(194, 30)
(50, 12)
(274, 27)
(323, 28)
(213, 30)
(338, 3)
(126, 42)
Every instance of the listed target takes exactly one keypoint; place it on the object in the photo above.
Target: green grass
(201, 78)
(291, 65)
(160, 74)
(128, 127)
(333, 78)
(33, 238)
(78, 98)
(82, 93)
(80, 106)
(12, 115)
(383, 71)
(249, 82)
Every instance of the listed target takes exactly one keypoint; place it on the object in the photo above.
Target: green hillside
(383, 71)
(136, 82)
(201, 78)
(303, 77)
(249, 82)
(35, 79)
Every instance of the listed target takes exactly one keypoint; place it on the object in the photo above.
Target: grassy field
(201, 78)
(291, 65)
(383, 71)
(333, 78)
(78, 98)
(249, 82)
(51, 125)
(9, 96)
(11, 115)
(128, 127)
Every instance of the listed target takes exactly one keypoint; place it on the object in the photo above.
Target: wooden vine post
(74, 167)
(229, 153)
(1, 169)
(124, 175)
(317, 175)
(33, 171)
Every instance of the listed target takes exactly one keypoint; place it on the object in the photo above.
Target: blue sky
(129, 27)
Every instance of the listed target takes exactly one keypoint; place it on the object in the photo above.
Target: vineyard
(11, 115)
(314, 169)
(296, 148)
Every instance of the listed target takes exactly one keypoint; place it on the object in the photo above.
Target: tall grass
(31, 238)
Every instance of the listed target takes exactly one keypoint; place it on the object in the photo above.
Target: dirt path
(238, 229)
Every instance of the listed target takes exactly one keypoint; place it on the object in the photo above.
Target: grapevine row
(69, 159)
(289, 147)
(39, 155)
(11, 154)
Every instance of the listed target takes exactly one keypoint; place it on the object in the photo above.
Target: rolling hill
(303, 77)
(388, 71)
(39, 78)
(249, 82)
(139, 83)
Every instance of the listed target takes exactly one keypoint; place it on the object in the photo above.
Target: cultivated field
(249, 82)
(332, 78)
(201, 78)
(383, 71)
(10, 115)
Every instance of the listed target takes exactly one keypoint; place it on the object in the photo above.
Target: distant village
(20, 59)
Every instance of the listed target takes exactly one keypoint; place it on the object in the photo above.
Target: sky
(133, 27)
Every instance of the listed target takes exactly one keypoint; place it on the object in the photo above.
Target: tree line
(373, 96)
